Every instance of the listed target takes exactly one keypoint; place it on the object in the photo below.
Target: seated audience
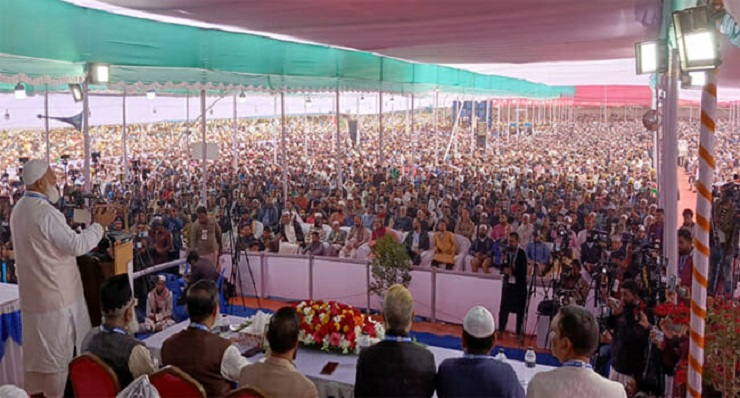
(276, 375)
(316, 247)
(574, 336)
(210, 359)
(113, 341)
(417, 241)
(396, 366)
(476, 374)
(445, 247)
(482, 251)
(336, 238)
(159, 307)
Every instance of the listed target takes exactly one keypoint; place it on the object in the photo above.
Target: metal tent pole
(670, 166)
(436, 133)
(86, 137)
(380, 130)
(340, 183)
(204, 170)
(283, 148)
(124, 137)
(472, 127)
(413, 133)
(234, 146)
(46, 125)
(274, 129)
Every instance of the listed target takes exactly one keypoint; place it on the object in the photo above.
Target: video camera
(601, 238)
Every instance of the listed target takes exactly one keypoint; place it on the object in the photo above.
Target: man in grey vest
(112, 341)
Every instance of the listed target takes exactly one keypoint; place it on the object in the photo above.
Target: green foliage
(390, 264)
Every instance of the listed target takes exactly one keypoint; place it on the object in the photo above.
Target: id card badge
(512, 280)
(204, 235)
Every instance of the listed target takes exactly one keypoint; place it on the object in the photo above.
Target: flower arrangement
(722, 347)
(331, 325)
(678, 314)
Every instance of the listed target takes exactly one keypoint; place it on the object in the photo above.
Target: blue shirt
(477, 377)
(538, 252)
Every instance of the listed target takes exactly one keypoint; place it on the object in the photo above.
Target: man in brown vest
(209, 358)
(205, 237)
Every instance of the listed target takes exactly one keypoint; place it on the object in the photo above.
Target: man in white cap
(477, 374)
(159, 307)
(55, 317)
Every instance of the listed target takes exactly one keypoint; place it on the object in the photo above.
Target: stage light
(693, 80)
(151, 94)
(696, 39)
(98, 73)
(651, 57)
(362, 97)
(77, 93)
(7, 115)
(308, 100)
(20, 91)
(242, 97)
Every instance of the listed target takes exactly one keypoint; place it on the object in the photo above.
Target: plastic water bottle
(501, 356)
(364, 342)
(530, 358)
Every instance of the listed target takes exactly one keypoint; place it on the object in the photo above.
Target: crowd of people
(575, 203)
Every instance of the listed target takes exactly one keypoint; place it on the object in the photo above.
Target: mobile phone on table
(329, 368)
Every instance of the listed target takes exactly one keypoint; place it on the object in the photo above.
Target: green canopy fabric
(49, 41)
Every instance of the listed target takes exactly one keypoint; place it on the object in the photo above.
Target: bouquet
(330, 325)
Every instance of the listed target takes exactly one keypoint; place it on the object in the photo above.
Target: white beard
(52, 193)
(132, 327)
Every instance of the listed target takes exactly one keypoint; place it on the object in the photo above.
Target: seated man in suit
(112, 341)
(475, 374)
(417, 241)
(207, 357)
(396, 367)
(575, 336)
(277, 376)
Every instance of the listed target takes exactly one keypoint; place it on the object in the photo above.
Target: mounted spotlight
(20, 91)
(151, 94)
(693, 80)
(98, 73)
(651, 57)
(242, 97)
(77, 93)
(362, 97)
(7, 115)
(696, 38)
(308, 100)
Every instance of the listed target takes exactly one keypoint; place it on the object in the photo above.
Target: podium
(94, 271)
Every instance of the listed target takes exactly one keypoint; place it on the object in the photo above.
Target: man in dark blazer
(514, 294)
(396, 367)
(417, 241)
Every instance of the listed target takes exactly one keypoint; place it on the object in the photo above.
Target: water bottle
(501, 356)
(530, 358)
(364, 342)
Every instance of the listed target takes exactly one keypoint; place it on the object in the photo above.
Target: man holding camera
(631, 330)
(55, 317)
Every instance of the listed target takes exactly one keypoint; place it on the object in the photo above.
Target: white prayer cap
(341, 203)
(33, 170)
(10, 391)
(318, 215)
(162, 278)
(479, 323)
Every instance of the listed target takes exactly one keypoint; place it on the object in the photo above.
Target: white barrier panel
(243, 275)
(340, 281)
(456, 294)
(421, 289)
(287, 277)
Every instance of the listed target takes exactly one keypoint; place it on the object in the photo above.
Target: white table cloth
(340, 384)
(11, 359)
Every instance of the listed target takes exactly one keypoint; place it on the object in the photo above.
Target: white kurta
(54, 313)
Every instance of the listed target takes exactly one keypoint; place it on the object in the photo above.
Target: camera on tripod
(601, 238)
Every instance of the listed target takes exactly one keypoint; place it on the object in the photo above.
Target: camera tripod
(236, 275)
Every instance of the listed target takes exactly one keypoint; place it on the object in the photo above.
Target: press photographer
(514, 289)
(630, 329)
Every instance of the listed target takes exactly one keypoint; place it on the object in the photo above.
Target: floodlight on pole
(242, 97)
(696, 38)
(693, 80)
(20, 91)
(151, 94)
(98, 73)
(651, 57)
(77, 93)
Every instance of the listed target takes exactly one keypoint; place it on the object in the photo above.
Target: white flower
(309, 319)
(337, 319)
(344, 344)
(306, 311)
(358, 331)
(322, 316)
